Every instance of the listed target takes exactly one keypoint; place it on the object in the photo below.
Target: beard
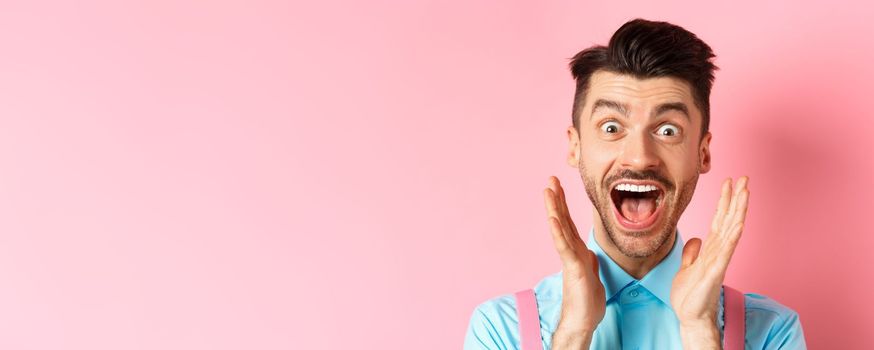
(639, 244)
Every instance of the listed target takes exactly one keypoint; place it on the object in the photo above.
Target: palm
(583, 299)
(696, 287)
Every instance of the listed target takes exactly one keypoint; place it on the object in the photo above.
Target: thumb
(690, 251)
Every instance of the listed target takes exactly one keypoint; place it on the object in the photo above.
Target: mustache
(627, 174)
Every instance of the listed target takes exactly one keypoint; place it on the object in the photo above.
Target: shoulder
(549, 288)
(763, 304)
(772, 324)
(494, 322)
(503, 307)
(499, 309)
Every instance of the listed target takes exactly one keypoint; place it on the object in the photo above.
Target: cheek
(599, 156)
(682, 162)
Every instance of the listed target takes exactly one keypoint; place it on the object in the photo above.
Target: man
(640, 139)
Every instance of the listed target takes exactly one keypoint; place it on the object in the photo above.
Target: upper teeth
(636, 188)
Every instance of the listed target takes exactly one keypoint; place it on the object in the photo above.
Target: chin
(638, 243)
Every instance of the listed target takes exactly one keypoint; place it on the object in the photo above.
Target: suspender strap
(529, 320)
(735, 311)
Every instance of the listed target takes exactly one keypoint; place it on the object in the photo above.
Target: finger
(549, 202)
(690, 251)
(745, 205)
(569, 233)
(564, 209)
(739, 186)
(565, 253)
(742, 183)
(733, 233)
(561, 201)
(555, 186)
(722, 205)
(567, 222)
(552, 209)
(740, 212)
(743, 195)
(735, 225)
(730, 246)
(732, 210)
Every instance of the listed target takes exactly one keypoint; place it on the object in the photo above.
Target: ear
(573, 140)
(704, 153)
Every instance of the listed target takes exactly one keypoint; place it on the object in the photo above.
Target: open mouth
(637, 205)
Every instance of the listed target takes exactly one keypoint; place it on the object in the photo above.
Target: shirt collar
(658, 280)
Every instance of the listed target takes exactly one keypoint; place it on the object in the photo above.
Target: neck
(636, 267)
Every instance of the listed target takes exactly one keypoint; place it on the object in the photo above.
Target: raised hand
(696, 287)
(583, 302)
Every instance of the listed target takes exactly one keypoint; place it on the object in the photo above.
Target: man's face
(639, 151)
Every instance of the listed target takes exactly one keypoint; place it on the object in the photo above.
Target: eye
(610, 127)
(668, 130)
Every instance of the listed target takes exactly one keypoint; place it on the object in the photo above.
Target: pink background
(265, 175)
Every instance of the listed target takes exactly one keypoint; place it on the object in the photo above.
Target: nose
(639, 153)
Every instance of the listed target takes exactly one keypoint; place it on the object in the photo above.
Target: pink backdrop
(259, 175)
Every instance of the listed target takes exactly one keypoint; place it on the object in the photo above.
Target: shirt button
(634, 293)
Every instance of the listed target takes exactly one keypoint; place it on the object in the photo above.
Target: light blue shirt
(638, 313)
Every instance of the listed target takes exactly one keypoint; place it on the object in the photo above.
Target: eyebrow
(673, 106)
(616, 106)
(623, 109)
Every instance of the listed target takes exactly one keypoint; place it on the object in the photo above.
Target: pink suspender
(735, 310)
(529, 319)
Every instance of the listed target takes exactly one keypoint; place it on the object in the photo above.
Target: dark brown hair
(647, 49)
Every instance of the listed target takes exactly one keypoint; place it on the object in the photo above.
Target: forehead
(639, 93)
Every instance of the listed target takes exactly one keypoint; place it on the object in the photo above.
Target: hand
(583, 301)
(696, 287)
